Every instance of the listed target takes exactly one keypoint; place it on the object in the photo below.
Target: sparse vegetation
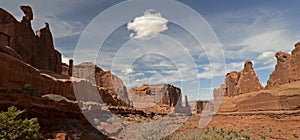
(209, 134)
(270, 129)
(14, 128)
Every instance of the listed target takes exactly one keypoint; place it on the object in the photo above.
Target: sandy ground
(269, 125)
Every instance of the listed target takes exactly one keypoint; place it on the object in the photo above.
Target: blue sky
(169, 53)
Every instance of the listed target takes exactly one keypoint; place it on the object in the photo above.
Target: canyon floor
(256, 125)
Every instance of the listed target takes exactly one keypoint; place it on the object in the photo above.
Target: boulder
(62, 136)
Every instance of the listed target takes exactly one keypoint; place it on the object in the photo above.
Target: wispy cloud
(60, 28)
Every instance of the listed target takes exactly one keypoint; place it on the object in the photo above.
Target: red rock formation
(38, 52)
(201, 105)
(10, 51)
(102, 78)
(62, 136)
(148, 95)
(64, 69)
(219, 92)
(284, 97)
(282, 69)
(19, 35)
(47, 57)
(287, 68)
(242, 82)
(15, 74)
(54, 116)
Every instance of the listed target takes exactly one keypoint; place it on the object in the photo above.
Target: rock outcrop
(103, 79)
(287, 68)
(16, 74)
(283, 98)
(19, 35)
(219, 92)
(53, 116)
(37, 51)
(149, 95)
(186, 109)
(280, 94)
(242, 82)
(47, 57)
(65, 69)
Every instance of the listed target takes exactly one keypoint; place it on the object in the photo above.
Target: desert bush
(295, 136)
(14, 128)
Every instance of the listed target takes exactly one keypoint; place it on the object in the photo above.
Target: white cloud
(147, 26)
(267, 59)
(128, 71)
(268, 54)
(216, 69)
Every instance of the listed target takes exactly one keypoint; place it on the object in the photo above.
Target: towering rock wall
(19, 35)
(287, 68)
(149, 95)
(37, 51)
(102, 78)
(239, 82)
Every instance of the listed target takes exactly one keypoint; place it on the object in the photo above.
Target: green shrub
(270, 129)
(14, 128)
(295, 136)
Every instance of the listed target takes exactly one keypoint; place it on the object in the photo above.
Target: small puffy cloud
(128, 71)
(147, 26)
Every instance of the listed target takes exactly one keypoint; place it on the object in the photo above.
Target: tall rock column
(242, 82)
(287, 68)
(48, 58)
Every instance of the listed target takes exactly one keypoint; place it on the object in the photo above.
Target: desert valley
(84, 101)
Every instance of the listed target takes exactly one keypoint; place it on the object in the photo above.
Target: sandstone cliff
(285, 97)
(150, 95)
(103, 79)
(280, 94)
(37, 51)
